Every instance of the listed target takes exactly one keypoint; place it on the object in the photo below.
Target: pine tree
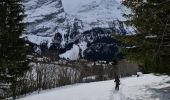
(150, 46)
(13, 61)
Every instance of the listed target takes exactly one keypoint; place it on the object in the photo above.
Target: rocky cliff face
(65, 25)
(44, 18)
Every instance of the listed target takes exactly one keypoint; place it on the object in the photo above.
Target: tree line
(13, 62)
(150, 45)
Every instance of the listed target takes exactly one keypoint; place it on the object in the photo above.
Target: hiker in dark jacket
(117, 82)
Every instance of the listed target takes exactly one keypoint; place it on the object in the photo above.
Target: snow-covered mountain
(69, 24)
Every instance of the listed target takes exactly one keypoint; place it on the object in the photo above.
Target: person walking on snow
(117, 82)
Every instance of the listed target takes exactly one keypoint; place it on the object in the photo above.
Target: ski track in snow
(131, 88)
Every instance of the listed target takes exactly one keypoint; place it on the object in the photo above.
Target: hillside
(147, 87)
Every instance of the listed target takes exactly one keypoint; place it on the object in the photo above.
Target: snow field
(131, 88)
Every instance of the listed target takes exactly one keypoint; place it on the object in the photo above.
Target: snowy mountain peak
(44, 18)
(60, 23)
(94, 10)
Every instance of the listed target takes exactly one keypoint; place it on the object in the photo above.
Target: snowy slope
(75, 52)
(72, 54)
(95, 10)
(96, 13)
(132, 88)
